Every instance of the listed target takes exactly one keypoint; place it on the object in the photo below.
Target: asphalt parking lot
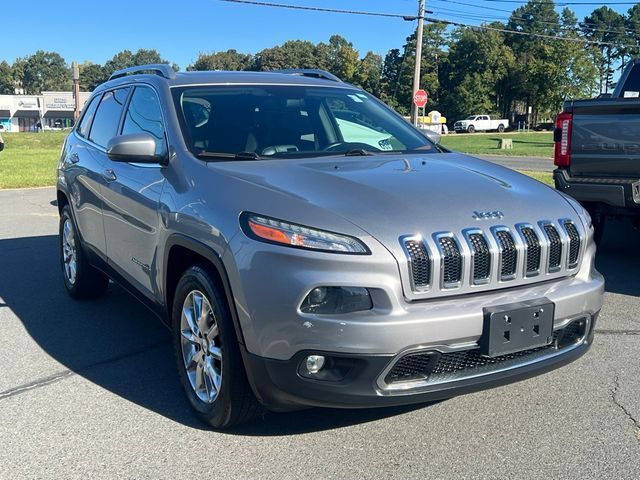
(89, 390)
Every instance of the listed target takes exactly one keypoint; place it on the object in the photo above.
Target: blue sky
(179, 30)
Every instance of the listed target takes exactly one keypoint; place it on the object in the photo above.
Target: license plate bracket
(517, 326)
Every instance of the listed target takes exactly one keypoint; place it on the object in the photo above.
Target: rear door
(83, 165)
(132, 196)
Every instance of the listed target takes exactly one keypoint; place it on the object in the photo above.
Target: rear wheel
(471, 129)
(598, 219)
(81, 280)
(500, 128)
(207, 353)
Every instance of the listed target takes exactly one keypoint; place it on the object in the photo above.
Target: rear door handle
(109, 175)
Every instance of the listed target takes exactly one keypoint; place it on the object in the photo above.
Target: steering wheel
(335, 147)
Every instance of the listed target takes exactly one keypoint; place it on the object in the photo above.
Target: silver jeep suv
(308, 247)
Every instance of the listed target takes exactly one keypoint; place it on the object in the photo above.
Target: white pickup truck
(480, 123)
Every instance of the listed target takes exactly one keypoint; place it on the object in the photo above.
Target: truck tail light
(562, 139)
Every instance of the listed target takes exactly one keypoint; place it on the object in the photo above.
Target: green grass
(524, 144)
(544, 177)
(29, 159)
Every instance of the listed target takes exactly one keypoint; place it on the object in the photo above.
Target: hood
(391, 196)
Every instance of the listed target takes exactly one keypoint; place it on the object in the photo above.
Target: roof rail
(164, 70)
(310, 72)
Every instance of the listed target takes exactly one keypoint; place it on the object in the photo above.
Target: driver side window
(144, 115)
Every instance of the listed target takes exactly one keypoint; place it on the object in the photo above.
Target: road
(89, 390)
(533, 164)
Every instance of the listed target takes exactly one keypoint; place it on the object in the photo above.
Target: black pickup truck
(597, 151)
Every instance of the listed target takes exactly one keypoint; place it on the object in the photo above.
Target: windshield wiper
(229, 156)
(358, 152)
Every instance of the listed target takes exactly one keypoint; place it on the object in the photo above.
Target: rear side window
(107, 117)
(145, 116)
(631, 88)
(89, 112)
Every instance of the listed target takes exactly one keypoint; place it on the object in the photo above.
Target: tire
(210, 365)
(599, 222)
(81, 279)
(471, 129)
(500, 128)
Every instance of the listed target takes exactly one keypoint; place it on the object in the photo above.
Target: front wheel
(471, 129)
(207, 353)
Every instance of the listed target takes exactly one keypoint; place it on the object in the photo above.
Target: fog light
(337, 300)
(318, 295)
(315, 363)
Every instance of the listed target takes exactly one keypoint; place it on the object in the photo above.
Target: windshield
(274, 121)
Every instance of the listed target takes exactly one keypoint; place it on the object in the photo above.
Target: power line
(432, 20)
(322, 9)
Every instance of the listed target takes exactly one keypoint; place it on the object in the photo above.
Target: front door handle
(109, 175)
(74, 158)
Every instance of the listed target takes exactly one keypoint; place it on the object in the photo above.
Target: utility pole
(416, 73)
(75, 76)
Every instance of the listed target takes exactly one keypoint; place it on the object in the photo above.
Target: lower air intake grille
(451, 261)
(420, 264)
(481, 257)
(555, 247)
(433, 366)
(533, 249)
(508, 254)
(574, 243)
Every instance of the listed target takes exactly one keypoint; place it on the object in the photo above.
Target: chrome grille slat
(448, 263)
(555, 247)
(451, 262)
(533, 250)
(508, 254)
(481, 257)
(574, 243)
(419, 263)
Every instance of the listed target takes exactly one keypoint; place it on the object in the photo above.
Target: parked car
(598, 154)
(300, 262)
(480, 123)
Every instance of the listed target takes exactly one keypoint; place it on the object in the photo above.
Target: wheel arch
(182, 252)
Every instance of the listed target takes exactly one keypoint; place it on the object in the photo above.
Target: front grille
(419, 263)
(451, 261)
(574, 243)
(509, 254)
(481, 257)
(435, 367)
(555, 246)
(533, 250)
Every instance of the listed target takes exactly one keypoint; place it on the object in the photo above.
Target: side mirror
(134, 148)
(433, 136)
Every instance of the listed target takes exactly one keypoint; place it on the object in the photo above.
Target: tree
(126, 59)
(291, 54)
(6, 79)
(91, 75)
(45, 71)
(341, 58)
(474, 74)
(229, 60)
(607, 26)
(632, 22)
(369, 73)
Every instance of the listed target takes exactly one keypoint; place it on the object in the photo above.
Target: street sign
(420, 98)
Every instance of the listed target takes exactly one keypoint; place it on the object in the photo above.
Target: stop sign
(420, 98)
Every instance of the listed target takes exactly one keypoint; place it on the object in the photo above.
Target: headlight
(271, 230)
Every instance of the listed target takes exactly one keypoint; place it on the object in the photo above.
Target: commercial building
(28, 113)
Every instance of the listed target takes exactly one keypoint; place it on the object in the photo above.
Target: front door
(131, 198)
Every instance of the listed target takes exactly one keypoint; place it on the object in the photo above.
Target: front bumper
(279, 385)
